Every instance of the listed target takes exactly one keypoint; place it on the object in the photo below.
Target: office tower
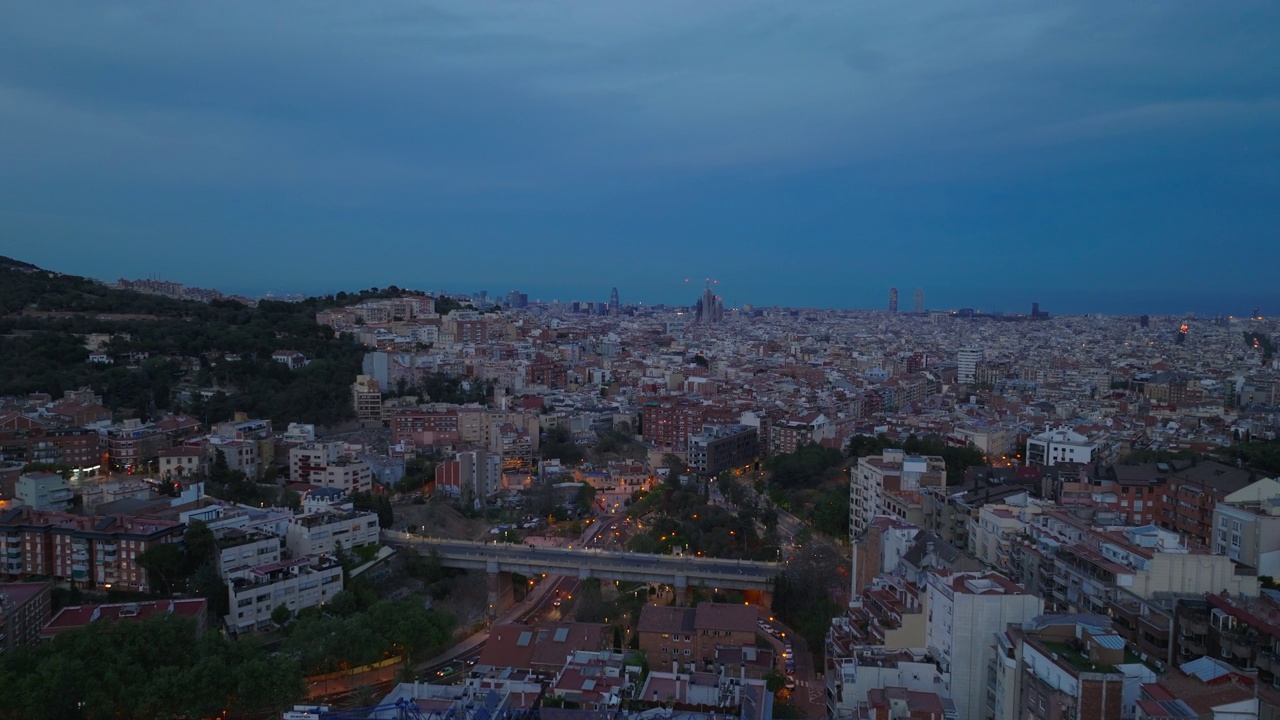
(967, 364)
(710, 308)
(1144, 321)
(614, 304)
(893, 299)
(919, 300)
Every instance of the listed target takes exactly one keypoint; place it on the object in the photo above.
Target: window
(1235, 526)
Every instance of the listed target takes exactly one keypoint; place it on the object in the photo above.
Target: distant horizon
(1110, 158)
(1203, 306)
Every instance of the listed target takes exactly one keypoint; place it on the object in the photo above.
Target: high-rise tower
(893, 299)
(614, 304)
(919, 300)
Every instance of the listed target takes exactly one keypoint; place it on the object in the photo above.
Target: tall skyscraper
(614, 304)
(710, 308)
(919, 300)
(967, 364)
(893, 299)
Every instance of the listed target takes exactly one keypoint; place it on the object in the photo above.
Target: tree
(199, 543)
(344, 604)
(280, 616)
(163, 563)
(774, 681)
(219, 471)
(160, 667)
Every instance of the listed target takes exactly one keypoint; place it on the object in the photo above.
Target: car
(767, 628)
(445, 671)
(790, 684)
(473, 659)
(556, 603)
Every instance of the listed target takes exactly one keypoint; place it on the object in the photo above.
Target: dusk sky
(1094, 156)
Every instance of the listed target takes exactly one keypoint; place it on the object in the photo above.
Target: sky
(1118, 157)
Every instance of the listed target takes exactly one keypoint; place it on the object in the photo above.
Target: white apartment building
(993, 440)
(321, 532)
(349, 476)
(966, 610)
(1062, 445)
(296, 584)
(893, 470)
(241, 550)
(1246, 527)
(42, 491)
(240, 454)
(991, 533)
(875, 667)
(967, 360)
(324, 465)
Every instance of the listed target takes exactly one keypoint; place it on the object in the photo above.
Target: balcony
(13, 553)
(1265, 661)
(1155, 626)
(1195, 627)
(1242, 648)
(1193, 646)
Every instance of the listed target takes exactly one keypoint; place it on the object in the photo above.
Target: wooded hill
(46, 317)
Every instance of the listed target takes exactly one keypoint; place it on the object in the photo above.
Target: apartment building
(1073, 667)
(1246, 527)
(296, 584)
(855, 671)
(74, 447)
(322, 532)
(129, 444)
(180, 462)
(514, 446)
(24, 610)
(42, 491)
(241, 455)
(477, 425)
(1062, 445)
(794, 432)
(366, 398)
(687, 637)
(324, 464)
(892, 472)
(239, 550)
(1080, 568)
(1191, 494)
(991, 534)
(478, 470)
(425, 427)
(89, 550)
(966, 610)
(669, 423)
(718, 448)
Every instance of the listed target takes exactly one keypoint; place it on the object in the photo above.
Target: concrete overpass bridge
(502, 559)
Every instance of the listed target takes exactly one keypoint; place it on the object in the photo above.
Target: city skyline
(1031, 308)
(993, 155)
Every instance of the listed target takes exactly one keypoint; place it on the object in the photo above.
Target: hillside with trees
(47, 316)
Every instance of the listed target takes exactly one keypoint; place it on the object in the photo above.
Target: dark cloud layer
(1107, 156)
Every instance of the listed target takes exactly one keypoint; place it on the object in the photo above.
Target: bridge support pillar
(501, 591)
(682, 590)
